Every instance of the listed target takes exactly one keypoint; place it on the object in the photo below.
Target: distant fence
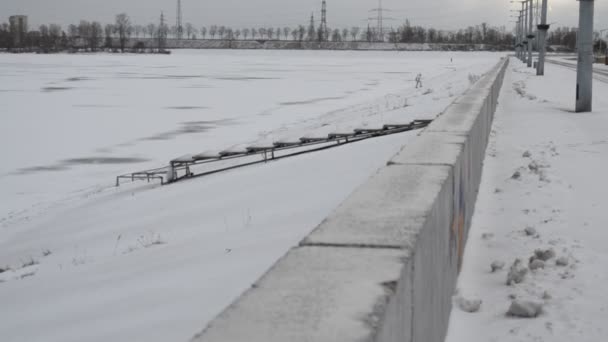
(306, 45)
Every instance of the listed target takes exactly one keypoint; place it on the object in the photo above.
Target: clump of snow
(473, 78)
(543, 255)
(525, 309)
(534, 167)
(516, 175)
(497, 266)
(562, 261)
(468, 305)
(487, 236)
(536, 264)
(517, 273)
(530, 231)
(527, 154)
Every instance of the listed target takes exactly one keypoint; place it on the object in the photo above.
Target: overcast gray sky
(442, 14)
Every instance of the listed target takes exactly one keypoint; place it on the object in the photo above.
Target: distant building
(18, 25)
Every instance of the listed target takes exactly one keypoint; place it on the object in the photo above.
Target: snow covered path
(557, 200)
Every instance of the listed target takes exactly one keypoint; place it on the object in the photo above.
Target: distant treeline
(93, 36)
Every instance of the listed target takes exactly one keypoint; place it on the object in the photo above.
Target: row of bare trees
(93, 35)
(90, 36)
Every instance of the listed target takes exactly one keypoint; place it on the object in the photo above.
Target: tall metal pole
(179, 26)
(530, 32)
(543, 27)
(584, 76)
(525, 32)
(517, 40)
(520, 39)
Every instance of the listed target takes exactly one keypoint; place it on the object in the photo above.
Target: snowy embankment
(83, 261)
(542, 202)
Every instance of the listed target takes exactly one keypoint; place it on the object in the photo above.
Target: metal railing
(184, 167)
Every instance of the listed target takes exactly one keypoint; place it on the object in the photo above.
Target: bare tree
(151, 28)
(54, 35)
(213, 31)
(173, 31)
(294, 34)
(72, 34)
(354, 32)
(237, 34)
(203, 32)
(108, 30)
(123, 28)
(345, 34)
(96, 32)
(222, 31)
(286, 31)
(278, 32)
(137, 29)
(44, 43)
(254, 33)
(245, 33)
(311, 33)
(84, 32)
(262, 32)
(301, 32)
(189, 30)
(270, 32)
(335, 36)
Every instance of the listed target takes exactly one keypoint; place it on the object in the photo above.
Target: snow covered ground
(557, 200)
(89, 262)
(73, 122)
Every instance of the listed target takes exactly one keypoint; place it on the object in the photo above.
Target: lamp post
(530, 32)
(523, 31)
(543, 27)
(524, 5)
(584, 75)
(517, 33)
(606, 42)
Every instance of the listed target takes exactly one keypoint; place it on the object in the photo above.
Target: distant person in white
(418, 81)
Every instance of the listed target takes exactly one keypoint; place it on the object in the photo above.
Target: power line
(380, 20)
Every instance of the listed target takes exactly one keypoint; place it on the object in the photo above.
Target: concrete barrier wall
(383, 266)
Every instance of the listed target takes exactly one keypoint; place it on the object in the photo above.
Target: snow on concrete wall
(383, 266)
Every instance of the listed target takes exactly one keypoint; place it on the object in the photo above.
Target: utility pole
(162, 34)
(524, 9)
(543, 27)
(516, 38)
(323, 27)
(520, 37)
(530, 32)
(380, 21)
(584, 75)
(606, 42)
(180, 28)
